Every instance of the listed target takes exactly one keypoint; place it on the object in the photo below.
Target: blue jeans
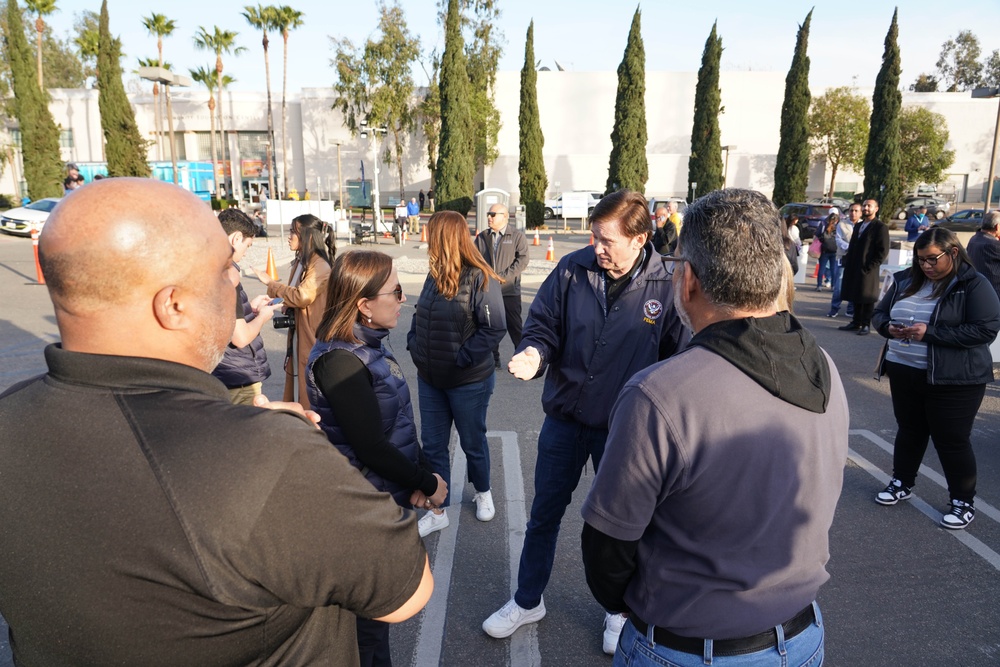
(837, 281)
(829, 268)
(563, 450)
(803, 650)
(465, 406)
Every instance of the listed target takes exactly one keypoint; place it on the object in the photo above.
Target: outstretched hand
(524, 365)
(262, 401)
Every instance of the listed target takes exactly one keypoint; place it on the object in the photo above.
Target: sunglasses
(398, 292)
(493, 214)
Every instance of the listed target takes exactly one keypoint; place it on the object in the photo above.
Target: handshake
(421, 501)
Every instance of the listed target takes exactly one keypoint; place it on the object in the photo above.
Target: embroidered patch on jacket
(394, 368)
(652, 310)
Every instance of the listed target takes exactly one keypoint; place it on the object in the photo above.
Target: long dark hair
(315, 238)
(355, 275)
(947, 241)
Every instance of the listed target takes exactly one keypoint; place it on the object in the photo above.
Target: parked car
(22, 220)
(553, 207)
(936, 208)
(968, 220)
(810, 216)
(839, 202)
(657, 202)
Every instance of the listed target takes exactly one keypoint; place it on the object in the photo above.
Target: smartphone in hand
(276, 301)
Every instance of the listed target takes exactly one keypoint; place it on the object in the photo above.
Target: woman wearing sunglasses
(358, 389)
(459, 321)
(940, 317)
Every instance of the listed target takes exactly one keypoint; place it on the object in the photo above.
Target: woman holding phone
(939, 317)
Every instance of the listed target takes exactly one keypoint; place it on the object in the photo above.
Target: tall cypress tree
(882, 160)
(791, 171)
(39, 135)
(705, 163)
(627, 167)
(456, 167)
(125, 147)
(530, 165)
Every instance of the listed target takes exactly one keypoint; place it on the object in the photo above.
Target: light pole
(980, 93)
(340, 179)
(376, 208)
(725, 169)
(167, 78)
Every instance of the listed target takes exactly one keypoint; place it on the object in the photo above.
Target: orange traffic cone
(550, 254)
(536, 241)
(402, 239)
(423, 234)
(591, 240)
(38, 265)
(816, 271)
(272, 268)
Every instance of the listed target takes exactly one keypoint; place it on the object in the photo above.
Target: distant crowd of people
(155, 514)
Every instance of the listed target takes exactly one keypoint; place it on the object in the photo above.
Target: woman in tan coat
(313, 243)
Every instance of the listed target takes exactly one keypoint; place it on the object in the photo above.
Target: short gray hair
(732, 240)
(991, 221)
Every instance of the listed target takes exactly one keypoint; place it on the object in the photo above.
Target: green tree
(60, 60)
(991, 70)
(375, 84)
(265, 19)
(219, 42)
(923, 136)
(125, 147)
(429, 115)
(838, 130)
(160, 26)
(627, 166)
(40, 8)
(791, 169)
(925, 83)
(206, 76)
(705, 163)
(530, 166)
(286, 19)
(39, 134)
(958, 65)
(456, 161)
(882, 159)
(87, 41)
(482, 56)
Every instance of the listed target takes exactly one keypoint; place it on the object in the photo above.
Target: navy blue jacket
(395, 408)
(589, 352)
(965, 321)
(241, 366)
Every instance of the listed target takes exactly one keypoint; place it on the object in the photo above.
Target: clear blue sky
(845, 44)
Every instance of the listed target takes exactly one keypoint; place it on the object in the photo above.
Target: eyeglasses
(398, 292)
(493, 214)
(931, 261)
(672, 263)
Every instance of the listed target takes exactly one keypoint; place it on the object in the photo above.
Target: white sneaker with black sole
(505, 621)
(893, 493)
(960, 516)
(613, 624)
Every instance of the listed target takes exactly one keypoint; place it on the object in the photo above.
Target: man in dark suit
(984, 249)
(505, 248)
(867, 251)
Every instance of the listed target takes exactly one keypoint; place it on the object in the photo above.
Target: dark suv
(810, 216)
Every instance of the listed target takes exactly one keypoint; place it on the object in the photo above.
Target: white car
(22, 220)
(553, 207)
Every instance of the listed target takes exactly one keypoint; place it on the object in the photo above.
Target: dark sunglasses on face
(398, 292)
(493, 214)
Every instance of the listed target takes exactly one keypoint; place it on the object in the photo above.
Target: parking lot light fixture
(981, 93)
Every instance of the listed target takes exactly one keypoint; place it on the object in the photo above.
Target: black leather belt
(738, 646)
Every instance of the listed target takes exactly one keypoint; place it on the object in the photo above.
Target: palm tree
(265, 19)
(219, 41)
(287, 19)
(161, 26)
(207, 77)
(88, 42)
(153, 62)
(40, 8)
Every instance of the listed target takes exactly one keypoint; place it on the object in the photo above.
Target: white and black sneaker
(893, 493)
(960, 516)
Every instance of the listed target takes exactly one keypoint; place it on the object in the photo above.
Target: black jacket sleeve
(347, 386)
(609, 565)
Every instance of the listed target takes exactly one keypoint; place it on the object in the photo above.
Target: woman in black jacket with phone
(940, 317)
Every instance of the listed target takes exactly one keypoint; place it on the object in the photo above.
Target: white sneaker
(613, 624)
(484, 505)
(431, 523)
(504, 622)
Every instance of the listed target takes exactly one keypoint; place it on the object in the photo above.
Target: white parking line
(524, 651)
(974, 544)
(431, 635)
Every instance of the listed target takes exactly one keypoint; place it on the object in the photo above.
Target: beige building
(577, 114)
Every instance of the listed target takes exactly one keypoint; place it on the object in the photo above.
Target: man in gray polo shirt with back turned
(709, 516)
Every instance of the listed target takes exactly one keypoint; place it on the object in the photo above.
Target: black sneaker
(960, 516)
(893, 493)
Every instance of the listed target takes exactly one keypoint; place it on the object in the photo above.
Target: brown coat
(308, 299)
